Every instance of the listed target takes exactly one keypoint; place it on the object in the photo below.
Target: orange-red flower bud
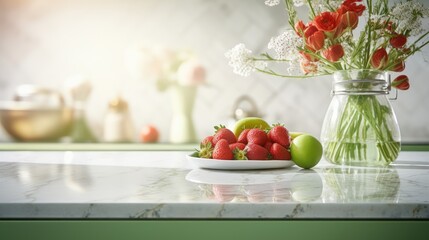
(310, 30)
(351, 5)
(379, 58)
(333, 53)
(316, 40)
(300, 28)
(401, 82)
(349, 19)
(399, 67)
(398, 41)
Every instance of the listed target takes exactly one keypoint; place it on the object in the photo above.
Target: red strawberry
(268, 145)
(242, 138)
(240, 154)
(256, 152)
(206, 150)
(224, 133)
(257, 136)
(278, 152)
(208, 139)
(238, 145)
(222, 151)
(279, 134)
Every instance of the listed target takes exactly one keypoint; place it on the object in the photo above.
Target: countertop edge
(214, 211)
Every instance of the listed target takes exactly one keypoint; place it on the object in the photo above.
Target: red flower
(327, 22)
(401, 82)
(349, 20)
(314, 38)
(351, 5)
(333, 53)
(398, 41)
(399, 67)
(379, 58)
(300, 28)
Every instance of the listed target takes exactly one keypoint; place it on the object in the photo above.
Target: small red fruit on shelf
(256, 152)
(257, 136)
(222, 150)
(149, 134)
(278, 152)
(224, 133)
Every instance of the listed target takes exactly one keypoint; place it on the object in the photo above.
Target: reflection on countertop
(164, 184)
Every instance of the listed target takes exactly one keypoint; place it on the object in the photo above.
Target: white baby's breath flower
(286, 45)
(298, 3)
(323, 5)
(376, 18)
(240, 59)
(409, 16)
(272, 3)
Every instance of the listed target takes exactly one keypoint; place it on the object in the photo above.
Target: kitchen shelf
(134, 147)
(97, 147)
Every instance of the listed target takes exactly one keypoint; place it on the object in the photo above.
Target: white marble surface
(155, 184)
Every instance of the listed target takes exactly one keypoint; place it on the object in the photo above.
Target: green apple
(293, 135)
(306, 151)
(249, 122)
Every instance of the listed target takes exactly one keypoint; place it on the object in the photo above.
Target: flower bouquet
(359, 43)
(181, 73)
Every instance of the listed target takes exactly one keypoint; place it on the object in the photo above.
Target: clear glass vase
(360, 126)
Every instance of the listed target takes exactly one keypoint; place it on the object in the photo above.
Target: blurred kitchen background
(45, 42)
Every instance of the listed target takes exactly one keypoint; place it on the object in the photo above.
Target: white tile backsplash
(44, 42)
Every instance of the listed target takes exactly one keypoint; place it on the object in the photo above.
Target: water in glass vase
(360, 126)
(370, 153)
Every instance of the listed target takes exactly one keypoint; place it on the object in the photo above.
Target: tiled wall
(45, 41)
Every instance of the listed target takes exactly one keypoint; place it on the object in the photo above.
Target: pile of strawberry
(251, 144)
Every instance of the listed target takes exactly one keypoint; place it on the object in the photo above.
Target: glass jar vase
(360, 126)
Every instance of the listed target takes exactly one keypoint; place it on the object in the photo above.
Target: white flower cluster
(286, 45)
(240, 59)
(272, 3)
(298, 3)
(409, 15)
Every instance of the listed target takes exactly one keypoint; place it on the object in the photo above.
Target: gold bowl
(33, 122)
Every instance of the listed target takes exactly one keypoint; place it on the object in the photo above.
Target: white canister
(118, 126)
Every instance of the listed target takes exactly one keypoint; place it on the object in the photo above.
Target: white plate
(239, 164)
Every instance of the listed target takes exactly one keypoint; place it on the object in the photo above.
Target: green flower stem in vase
(360, 127)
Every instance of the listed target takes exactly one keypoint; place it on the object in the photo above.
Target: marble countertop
(164, 184)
